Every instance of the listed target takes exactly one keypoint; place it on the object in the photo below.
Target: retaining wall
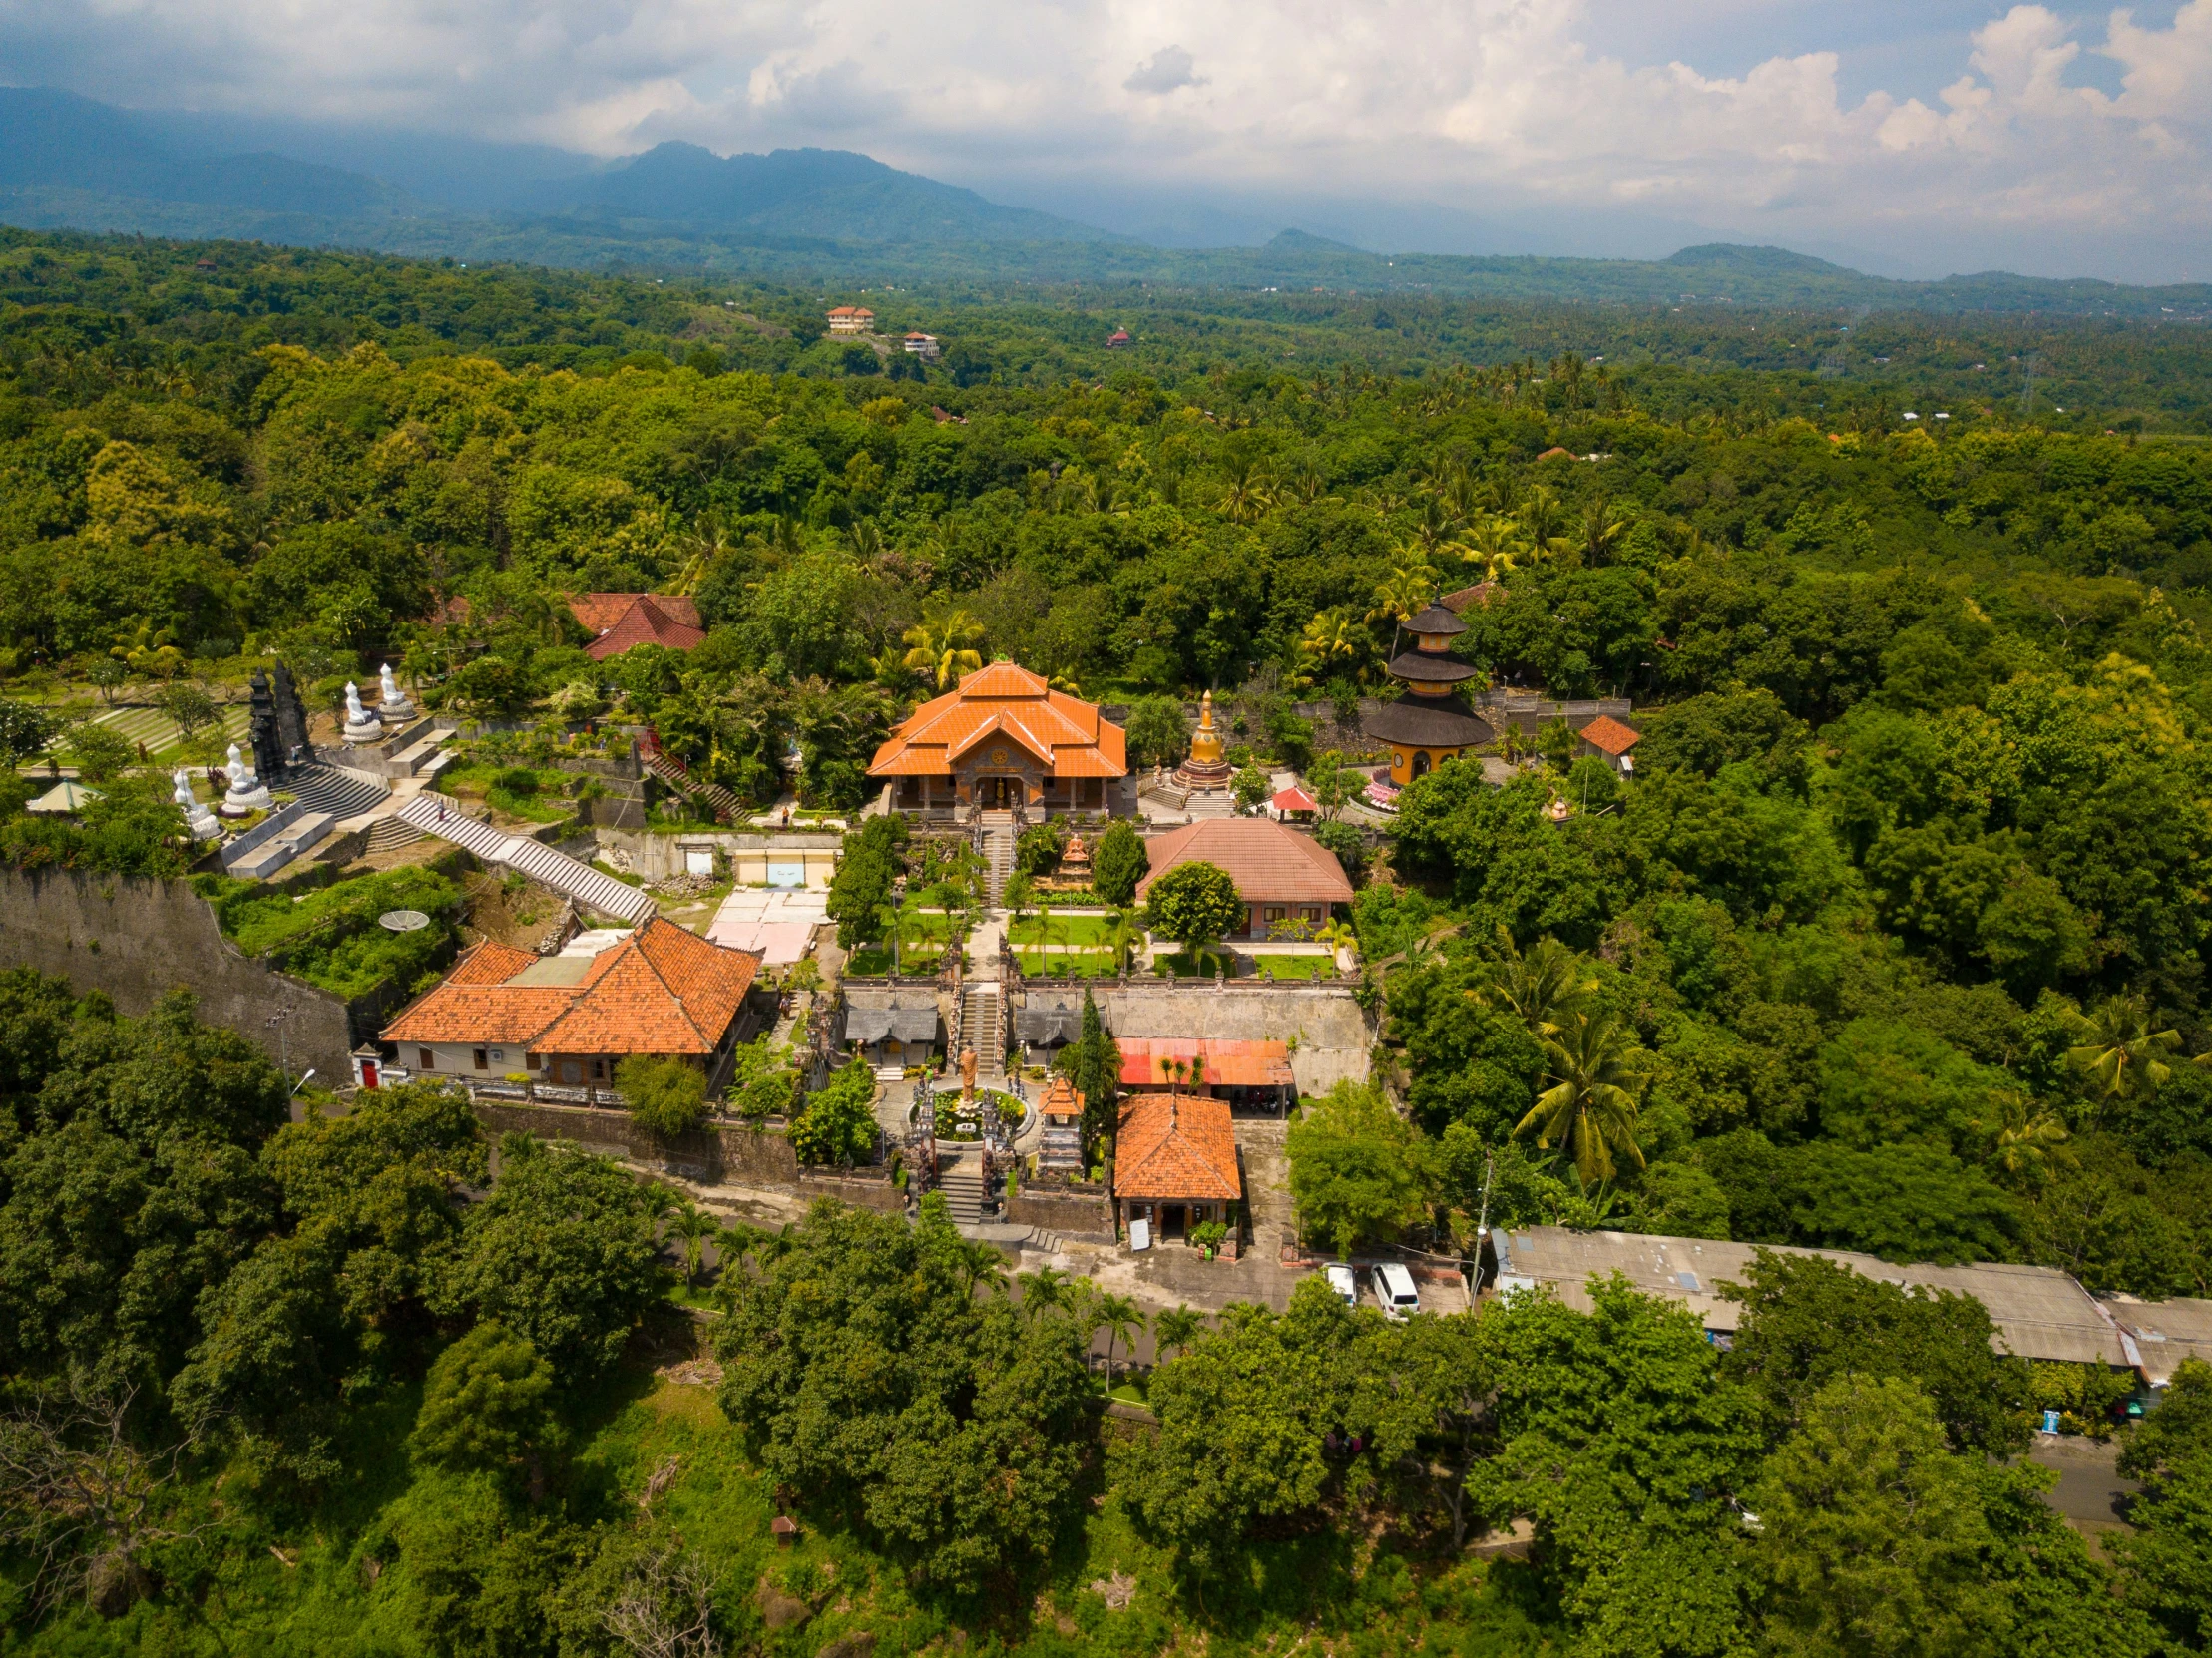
(137, 939)
(1070, 1214)
(718, 1155)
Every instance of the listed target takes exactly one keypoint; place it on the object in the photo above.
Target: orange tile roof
(1229, 1064)
(1269, 862)
(1061, 1099)
(1176, 1147)
(662, 989)
(651, 619)
(1609, 734)
(1004, 706)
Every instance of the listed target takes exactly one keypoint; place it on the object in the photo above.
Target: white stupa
(198, 818)
(247, 792)
(396, 708)
(361, 724)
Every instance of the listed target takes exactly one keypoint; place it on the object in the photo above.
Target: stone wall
(1070, 1214)
(713, 1156)
(139, 939)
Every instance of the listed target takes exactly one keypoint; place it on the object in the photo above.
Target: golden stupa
(1205, 768)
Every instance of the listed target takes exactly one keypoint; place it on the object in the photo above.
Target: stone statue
(362, 725)
(198, 818)
(967, 1076)
(247, 792)
(396, 705)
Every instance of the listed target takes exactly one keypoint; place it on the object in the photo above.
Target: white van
(1394, 1289)
(1341, 1280)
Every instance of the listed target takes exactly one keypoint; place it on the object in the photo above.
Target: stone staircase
(983, 1026)
(390, 832)
(1209, 803)
(998, 854)
(336, 790)
(725, 806)
(962, 1185)
(590, 887)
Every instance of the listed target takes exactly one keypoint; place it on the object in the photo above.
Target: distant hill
(832, 194)
(56, 140)
(832, 216)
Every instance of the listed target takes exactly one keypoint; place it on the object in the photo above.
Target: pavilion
(1003, 739)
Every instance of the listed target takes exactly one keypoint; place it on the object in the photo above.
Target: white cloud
(1449, 101)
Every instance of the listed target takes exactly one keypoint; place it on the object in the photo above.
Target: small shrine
(1205, 768)
(1074, 864)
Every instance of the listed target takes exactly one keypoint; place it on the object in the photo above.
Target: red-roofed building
(1003, 736)
(570, 1018)
(1209, 1062)
(923, 347)
(1294, 802)
(1611, 740)
(852, 319)
(1174, 1162)
(1119, 340)
(1478, 596)
(624, 620)
(1280, 874)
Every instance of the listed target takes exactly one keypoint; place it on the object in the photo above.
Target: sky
(1915, 138)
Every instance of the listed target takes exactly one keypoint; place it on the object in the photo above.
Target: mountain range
(68, 162)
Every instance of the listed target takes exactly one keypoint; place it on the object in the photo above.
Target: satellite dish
(403, 921)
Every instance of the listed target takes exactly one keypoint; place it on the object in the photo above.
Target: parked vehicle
(1394, 1288)
(1341, 1281)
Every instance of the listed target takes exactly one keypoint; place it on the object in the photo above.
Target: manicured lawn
(1062, 930)
(1185, 966)
(872, 961)
(1081, 964)
(1296, 966)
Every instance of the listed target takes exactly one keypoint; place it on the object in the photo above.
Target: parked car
(1344, 1283)
(1394, 1288)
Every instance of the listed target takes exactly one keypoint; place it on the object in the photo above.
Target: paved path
(2089, 1493)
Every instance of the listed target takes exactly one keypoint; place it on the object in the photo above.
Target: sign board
(699, 860)
(1140, 1234)
(786, 872)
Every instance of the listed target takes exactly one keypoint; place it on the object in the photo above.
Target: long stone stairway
(961, 1184)
(983, 1026)
(592, 889)
(341, 792)
(998, 854)
(673, 772)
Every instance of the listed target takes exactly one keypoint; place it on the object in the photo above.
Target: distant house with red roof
(1003, 736)
(624, 620)
(852, 319)
(570, 1018)
(923, 347)
(1478, 596)
(1174, 1164)
(1280, 874)
(1117, 340)
(1611, 740)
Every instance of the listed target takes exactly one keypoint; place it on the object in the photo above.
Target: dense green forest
(1896, 941)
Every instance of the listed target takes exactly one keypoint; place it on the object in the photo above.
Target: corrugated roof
(1609, 734)
(2164, 1333)
(2039, 1312)
(1176, 1147)
(1229, 1063)
(1270, 863)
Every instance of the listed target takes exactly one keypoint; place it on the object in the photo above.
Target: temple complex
(1431, 723)
(1003, 739)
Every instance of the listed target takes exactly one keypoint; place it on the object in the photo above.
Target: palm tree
(1493, 546)
(1175, 1329)
(1121, 1319)
(1591, 1109)
(706, 542)
(1247, 495)
(2026, 1138)
(982, 1267)
(1543, 519)
(1405, 590)
(1542, 987)
(694, 1226)
(944, 647)
(1602, 528)
(2120, 1054)
(1046, 1287)
(1333, 640)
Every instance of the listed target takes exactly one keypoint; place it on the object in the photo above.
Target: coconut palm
(1404, 592)
(1589, 1111)
(1174, 1329)
(1046, 1287)
(1602, 528)
(706, 542)
(1493, 546)
(944, 647)
(1543, 989)
(1334, 641)
(2120, 1051)
(982, 1267)
(1247, 494)
(1543, 521)
(1122, 1320)
(2028, 1137)
(694, 1226)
